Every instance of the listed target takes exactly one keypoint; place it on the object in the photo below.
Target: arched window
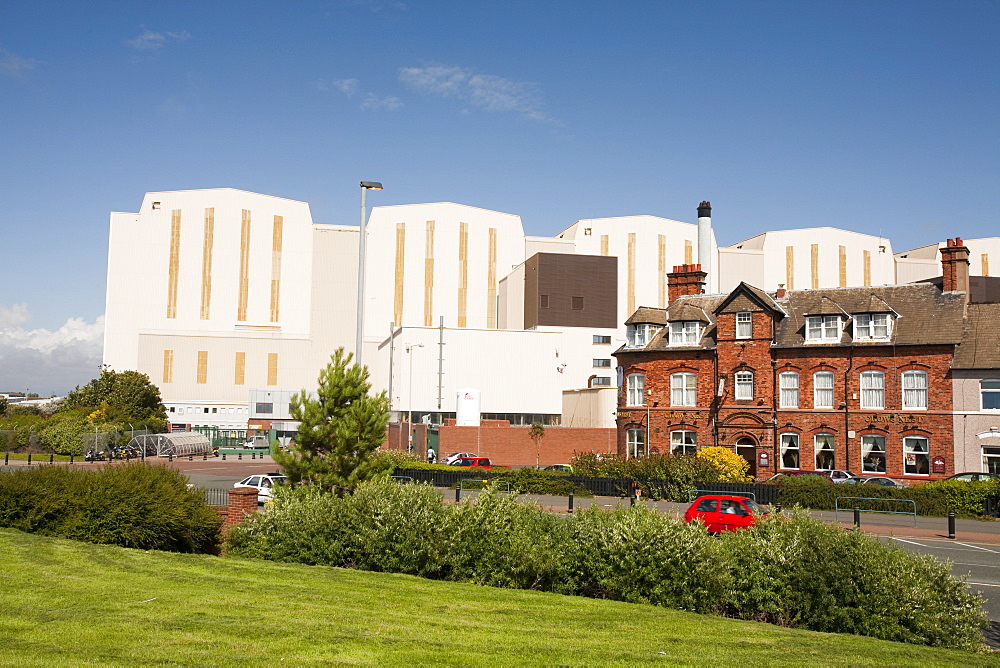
(873, 390)
(789, 451)
(683, 442)
(744, 384)
(823, 389)
(636, 389)
(914, 390)
(683, 387)
(826, 457)
(789, 382)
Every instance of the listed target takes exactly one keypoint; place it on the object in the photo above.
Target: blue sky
(870, 116)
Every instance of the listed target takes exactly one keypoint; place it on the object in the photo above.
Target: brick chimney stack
(685, 279)
(955, 267)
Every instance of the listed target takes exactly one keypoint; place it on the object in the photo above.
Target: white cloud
(346, 86)
(486, 91)
(149, 40)
(389, 103)
(47, 361)
(14, 65)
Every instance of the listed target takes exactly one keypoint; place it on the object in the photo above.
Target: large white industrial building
(231, 300)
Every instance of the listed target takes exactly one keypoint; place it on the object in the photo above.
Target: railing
(856, 508)
(216, 497)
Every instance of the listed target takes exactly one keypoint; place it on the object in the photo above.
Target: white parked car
(455, 456)
(263, 484)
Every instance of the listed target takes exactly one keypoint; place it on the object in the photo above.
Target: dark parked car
(722, 512)
(480, 462)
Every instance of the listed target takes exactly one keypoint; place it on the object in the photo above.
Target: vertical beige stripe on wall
(985, 258)
(463, 271)
(491, 282)
(202, 374)
(168, 366)
(397, 296)
(173, 271)
(661, 270)
(814, 265)
(241, 307)
(276, 267)
(206, 264)
(604, 245)
(867, 264)
(429, 275)
(631, 273)
(790, 267)
(240, 375)
(843, 265)
(272, 368)
(688, 252)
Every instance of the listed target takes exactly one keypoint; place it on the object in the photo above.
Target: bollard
(6, 458)
(239, 456)
(204, 457)
(223, 456)
(29, 459)
(190, 458)
(458, 494)
(777, 508)
(857, 517)
(71, 457)
(951, 524)
(170, 457)
(253, 455)
(570, 503)
(52, 458)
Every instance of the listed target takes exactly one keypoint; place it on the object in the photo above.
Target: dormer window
(872, 327)
(822, 328)
(685, 333)
(639, 335)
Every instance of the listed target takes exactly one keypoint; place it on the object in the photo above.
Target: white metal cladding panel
(296, 367)
(334, 288)
(134, 283)
(977, 247)
(447, 217)
(647, 230)
(511, 300)
(737, 265)
(829, 240)
(228, 205)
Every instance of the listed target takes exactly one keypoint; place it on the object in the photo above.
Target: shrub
(670, 477)
(136, 505)
(530, 481)
(806, 574)
(732, 467)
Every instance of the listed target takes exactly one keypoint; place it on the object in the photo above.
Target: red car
(722, 512)
(480, 462)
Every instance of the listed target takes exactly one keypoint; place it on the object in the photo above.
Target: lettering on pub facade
(848, 378)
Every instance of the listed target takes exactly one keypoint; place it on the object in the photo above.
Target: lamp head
(371, 185)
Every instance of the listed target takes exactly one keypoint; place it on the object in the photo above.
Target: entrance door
(746, 449)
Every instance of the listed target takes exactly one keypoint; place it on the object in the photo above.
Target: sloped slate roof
(643, 314)
(687, 311)
(926, 315)
(690, 307)
(980, 347)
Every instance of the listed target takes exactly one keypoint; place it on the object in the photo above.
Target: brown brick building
(855, 379)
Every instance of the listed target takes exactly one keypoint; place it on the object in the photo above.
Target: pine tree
(341, 426)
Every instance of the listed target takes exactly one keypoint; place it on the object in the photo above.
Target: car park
(456, 455)
(264, 484)
(479, 462)
(724, 512)
(973, 476)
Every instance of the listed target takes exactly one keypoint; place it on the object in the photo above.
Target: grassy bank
(76, 603)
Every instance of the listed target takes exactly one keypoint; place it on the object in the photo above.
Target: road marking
(978, 548)
(982, 584)
(957, 563)
(910, 542)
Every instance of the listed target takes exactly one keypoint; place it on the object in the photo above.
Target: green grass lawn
(69, 603)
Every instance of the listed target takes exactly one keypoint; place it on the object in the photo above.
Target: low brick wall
(512, 446)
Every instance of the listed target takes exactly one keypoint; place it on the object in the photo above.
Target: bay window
(685, 333)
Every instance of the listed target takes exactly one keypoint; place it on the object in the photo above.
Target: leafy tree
(340, 429)
(536, 434)
(126, 396)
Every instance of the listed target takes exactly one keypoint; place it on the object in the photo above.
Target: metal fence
(216, 497)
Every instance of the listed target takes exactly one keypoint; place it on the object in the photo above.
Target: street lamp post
(409, 394)
(365, 187)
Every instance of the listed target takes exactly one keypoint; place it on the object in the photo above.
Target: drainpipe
(847, 412)
(774, 412)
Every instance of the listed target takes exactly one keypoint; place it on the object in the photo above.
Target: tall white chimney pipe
(705, 240)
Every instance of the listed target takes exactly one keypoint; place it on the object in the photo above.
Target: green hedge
(796, 572)
(664, 477)
(932, 499)
(134, 505)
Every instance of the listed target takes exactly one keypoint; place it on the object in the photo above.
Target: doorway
(747, 449)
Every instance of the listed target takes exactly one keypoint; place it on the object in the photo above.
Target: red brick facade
(755, 427)
(512, 446)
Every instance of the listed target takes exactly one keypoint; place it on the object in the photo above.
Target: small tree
(340, 428)
(536, 434)
(732, 467)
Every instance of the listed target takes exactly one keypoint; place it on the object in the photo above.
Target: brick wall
(512, 446)
(242, 504)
